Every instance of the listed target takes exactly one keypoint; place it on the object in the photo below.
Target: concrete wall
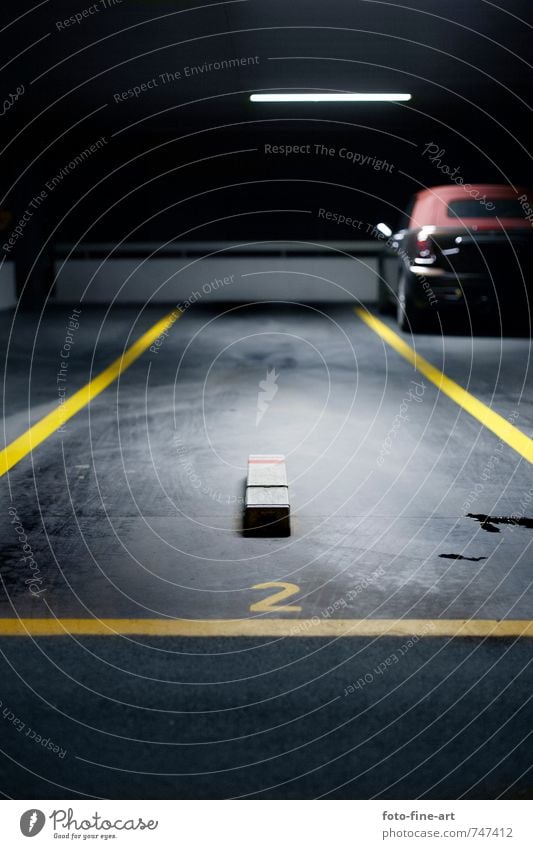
(312, 275)
(8, 291)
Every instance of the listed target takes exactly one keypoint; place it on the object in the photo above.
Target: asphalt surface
(135, 511)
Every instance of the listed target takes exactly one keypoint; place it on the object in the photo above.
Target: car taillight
(423, 242)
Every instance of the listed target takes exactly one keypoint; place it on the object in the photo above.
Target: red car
(466, 249)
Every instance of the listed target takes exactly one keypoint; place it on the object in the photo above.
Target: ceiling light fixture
(343, 97)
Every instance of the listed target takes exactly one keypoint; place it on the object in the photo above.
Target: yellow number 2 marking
(270, 604)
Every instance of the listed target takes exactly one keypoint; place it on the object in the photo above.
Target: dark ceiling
(465, 62)
(439, 51)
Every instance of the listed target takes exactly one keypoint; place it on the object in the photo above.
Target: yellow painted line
(24, 444)
(259, 627)
(491, 420)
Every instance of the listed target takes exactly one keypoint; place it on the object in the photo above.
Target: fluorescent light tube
(342, 97)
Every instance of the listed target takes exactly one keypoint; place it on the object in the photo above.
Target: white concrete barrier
(296, 272)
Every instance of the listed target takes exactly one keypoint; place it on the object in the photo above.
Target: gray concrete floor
(135, 511)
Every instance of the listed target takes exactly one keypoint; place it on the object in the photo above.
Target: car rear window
(500, 207)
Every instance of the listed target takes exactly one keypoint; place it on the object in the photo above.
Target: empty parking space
(141, 494)
(142, 587)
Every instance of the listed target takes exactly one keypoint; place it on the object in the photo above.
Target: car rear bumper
(434, 288)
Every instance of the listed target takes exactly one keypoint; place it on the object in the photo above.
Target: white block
(267, 470)
(267, 510)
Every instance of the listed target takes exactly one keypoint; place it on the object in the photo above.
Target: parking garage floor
(382, 650)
